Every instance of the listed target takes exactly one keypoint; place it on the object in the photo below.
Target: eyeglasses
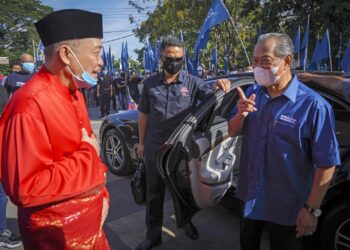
(173, 59)
(264, 61)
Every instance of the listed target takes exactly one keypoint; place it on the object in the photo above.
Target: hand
(224, 84)
(306, 223)
(305, 77)
(91, 140)
(141, 151)
(98, 94)
(111, 94)
(244, 105)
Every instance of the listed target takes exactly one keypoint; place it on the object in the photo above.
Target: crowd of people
(50, 164)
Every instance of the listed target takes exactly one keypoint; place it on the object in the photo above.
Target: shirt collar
(181, 78)
(292, 90)
(56, 83)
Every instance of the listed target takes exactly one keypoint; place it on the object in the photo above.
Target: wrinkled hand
(305, 77)
(245, 105)
(141, 151)
(223, 84)
(306, 223)
(91, 140)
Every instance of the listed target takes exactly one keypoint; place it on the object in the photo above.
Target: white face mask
(267, 77)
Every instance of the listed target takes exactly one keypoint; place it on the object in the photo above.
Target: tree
(17, 31)
(171, 16)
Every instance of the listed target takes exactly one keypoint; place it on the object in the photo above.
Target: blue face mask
(86, 80)
(28, 67)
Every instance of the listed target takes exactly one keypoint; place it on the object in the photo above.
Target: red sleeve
(30, 175)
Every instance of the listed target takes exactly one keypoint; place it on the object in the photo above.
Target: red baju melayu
(56, 180)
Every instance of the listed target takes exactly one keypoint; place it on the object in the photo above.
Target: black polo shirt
(167, 105)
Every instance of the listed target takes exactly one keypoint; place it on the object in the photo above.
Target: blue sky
(115, 19)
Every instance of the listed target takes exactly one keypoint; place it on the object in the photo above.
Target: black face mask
(172, 65)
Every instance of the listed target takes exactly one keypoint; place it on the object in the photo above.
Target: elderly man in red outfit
(49, 156)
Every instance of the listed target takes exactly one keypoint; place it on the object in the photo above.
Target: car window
(342, 124)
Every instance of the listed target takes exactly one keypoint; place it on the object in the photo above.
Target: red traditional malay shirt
(46, 169)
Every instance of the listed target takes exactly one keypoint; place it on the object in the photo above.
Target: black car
(199, 162)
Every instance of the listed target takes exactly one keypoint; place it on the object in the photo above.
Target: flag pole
(239, 37)
(34, 54)
(329, 51)
(299, 47)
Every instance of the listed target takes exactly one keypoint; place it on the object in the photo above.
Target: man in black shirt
(104, 92)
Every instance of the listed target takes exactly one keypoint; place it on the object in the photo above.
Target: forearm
(143, 117)
(322, 179)
(333, 82)
(235, 125)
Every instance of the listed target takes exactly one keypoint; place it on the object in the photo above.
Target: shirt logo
(184, 91)
(288, 119)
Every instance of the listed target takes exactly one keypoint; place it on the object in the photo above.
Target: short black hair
(14, 63)
(171, 41)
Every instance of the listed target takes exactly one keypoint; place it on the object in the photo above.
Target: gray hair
(51, 49)
(284, 43)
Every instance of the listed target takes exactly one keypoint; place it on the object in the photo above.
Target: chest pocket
(286, 132)
(183, 101)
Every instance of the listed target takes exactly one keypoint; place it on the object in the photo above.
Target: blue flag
(189, 63)
(323, 49)
(39, 54)
(122, 57)
(296, 41)
(217, 14)
(126, 56)
(345, 62)
(104, 57)
(314, 55)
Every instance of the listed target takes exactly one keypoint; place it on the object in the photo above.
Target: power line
(119, 38)
(115, 31)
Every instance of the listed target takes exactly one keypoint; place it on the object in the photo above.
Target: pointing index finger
(241, 93)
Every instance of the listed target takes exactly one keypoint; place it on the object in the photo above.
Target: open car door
(199, 162)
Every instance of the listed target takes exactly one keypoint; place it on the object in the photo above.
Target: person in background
(49, 157)
(121, 86)
(338, 84)
(17, 79)
(289, 150)
(248, 68)
(134, 87)
(167, 98)
(105, 92)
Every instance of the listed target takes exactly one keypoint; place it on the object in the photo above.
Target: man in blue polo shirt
(167, 98)
(289, 150)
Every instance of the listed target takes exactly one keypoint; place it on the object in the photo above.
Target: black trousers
(105, 100)
(114, 101)
(155, 190)
(280, 237)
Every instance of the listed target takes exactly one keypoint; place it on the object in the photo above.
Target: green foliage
(17, 31)
(171, 16)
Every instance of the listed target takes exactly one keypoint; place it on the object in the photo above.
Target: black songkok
(69, 24)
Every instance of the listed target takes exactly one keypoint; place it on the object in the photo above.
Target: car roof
(311, 84)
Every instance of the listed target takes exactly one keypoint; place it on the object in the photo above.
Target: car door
(199, 162)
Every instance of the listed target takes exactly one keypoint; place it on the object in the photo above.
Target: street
(125, 225)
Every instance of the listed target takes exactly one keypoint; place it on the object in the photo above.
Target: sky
(115, 20)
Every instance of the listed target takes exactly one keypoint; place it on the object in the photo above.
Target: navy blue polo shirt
(167, 105)
(283, 143)
(346, 89)
(15, 80)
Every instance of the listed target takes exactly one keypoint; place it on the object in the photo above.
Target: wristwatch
(314, 211)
